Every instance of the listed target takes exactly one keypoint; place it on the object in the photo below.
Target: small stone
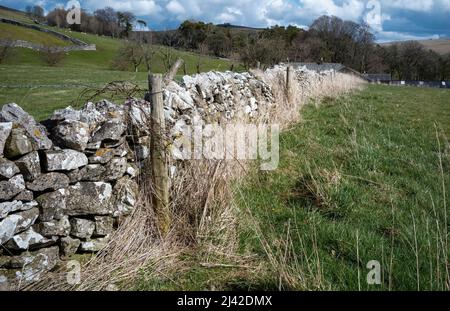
(17, 222)
(12, 187)
(29, 165)
(113, 143)
(132, 170)
(17, 144)
(69, 246)
(52, 205)
(110, 130)
(72, 134)
(28, 239)
(102, 156)
(66, 114)
(142, 152)
(25, 195)
(49, 181)
(125, 193)
(74, 176)
(115, 169)
(103, 225)
(53, 228)
(7, 168)
(94, 245)
(5, 130)
(64, 160)
(89, 198)
(82, 228)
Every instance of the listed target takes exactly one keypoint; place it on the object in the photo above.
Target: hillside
(27, 80)
(440, 46)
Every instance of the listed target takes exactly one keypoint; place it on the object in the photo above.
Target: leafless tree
(51, 56)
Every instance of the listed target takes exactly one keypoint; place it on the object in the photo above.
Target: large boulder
(89, 198)
(5, 130)
(52, 205)
(72, 134)
(64, 160)
(12, 187)
(27, 268)
(82, 228)
(17, 143)
(16, 223)
(29, 165)
(35, 131)
(125, 193)
(7, 168)
(49, 181)
(28, 239)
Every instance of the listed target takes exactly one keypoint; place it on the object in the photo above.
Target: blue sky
(390, 19)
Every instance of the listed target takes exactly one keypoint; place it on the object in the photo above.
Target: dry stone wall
(66, 183)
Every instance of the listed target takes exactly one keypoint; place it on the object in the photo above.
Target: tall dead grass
(205, 215)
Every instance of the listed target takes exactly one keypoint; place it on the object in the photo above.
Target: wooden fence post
(289, 72)
(159, 157)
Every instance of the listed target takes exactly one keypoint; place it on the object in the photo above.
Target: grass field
(361, 178)
(27, 80)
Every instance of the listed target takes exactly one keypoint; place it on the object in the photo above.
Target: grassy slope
(440, 46)
(13, 32)
(359, 180)
(93, 68)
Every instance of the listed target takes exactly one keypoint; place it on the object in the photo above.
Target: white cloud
(175, 7)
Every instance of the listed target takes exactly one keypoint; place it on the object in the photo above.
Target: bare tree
(51, 56)
(129, 55)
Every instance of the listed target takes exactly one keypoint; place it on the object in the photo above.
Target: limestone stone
(89, 198)
(12, 187)
(9, 207)
(142, 152)
(103, 225)
(115, 169)
(82, 228)
(28, 239)
(29, 165)
(25, 195)
(110, 130)
(16, 223)
(102, 156)
(64, 160)
(69, 246)
(94, 245)
(52, 205)
(72, 134)
(8, 168)
(53, 228)
(49, 181)
(125, 193)
(35, 131)
(28, 267)
(17, 143)
(5, 130)
(92, 172)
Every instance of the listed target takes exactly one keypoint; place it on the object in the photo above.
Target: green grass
(13, 32)
(28, 81)
(359, 179)
(18, 16)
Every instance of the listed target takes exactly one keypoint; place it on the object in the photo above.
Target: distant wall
(78, 44)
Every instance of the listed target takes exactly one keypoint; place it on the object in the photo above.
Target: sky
(391, 20)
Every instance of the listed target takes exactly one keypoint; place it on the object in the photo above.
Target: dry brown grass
(204, 213)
